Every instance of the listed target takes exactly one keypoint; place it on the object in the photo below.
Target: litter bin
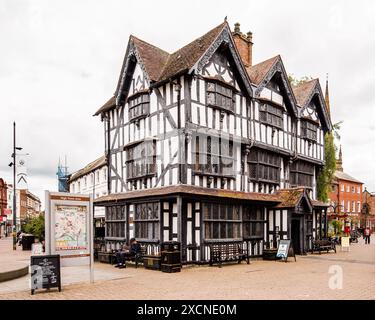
(170, 256)
(27, 241)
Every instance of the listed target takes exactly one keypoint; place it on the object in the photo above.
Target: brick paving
(308, 278)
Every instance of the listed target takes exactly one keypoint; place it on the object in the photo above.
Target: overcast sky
(60, 61)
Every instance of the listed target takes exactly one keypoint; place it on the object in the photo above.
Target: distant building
(28, 206)
(368, 217)
(3, 206)
(346, 194)
(92, 179)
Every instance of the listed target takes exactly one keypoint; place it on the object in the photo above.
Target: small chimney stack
(244, 44)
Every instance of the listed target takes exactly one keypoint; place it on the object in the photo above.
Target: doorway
(296, 236)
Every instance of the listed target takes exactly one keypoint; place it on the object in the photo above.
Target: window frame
(261, 166)
(216, 223)
(148, 168)
(268, 112)
(134, 104)
(207, 148)
(309, 130)
(298, 171)
(219, 88)
(249, 222)
(142, 223)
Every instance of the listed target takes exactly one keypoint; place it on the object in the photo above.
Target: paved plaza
(308, 278)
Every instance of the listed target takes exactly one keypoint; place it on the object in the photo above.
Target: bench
(227, 252)
(323, 245)
(136, 258)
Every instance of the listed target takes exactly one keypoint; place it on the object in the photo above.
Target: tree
(295, 82)
(326, 174)
(35, 226)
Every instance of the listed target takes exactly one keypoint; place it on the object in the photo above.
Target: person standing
(367, 235)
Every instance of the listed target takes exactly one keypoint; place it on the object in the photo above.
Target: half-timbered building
(203, 147)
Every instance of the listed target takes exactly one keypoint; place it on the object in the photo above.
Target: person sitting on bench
(127, 252)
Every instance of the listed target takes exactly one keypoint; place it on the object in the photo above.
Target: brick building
(346, 195)
(368, 217)
(3, 206)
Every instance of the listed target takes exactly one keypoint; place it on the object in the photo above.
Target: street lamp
(13, 164)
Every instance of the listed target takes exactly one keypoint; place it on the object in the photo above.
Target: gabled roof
(302, 91)
(259, 71)
(153, 58)
(96, 164)
(344, 176)
(161, 66)
(291, 198)
(306, 91)
(186, 57)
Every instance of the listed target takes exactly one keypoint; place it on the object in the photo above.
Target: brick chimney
(244, 44)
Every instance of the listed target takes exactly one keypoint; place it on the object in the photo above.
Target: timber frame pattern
(177, 201)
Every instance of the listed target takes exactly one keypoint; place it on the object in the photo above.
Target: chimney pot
(237, 28)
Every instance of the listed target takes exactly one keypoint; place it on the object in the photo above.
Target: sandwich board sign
(345, 244)
(45, 272)
(285, 249)
(69, 228)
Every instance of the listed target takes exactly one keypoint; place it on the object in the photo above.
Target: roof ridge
(148, 43)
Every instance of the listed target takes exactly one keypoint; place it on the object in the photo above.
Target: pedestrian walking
(367, 235)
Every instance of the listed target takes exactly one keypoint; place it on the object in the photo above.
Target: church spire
(326, 98)
(339, 161)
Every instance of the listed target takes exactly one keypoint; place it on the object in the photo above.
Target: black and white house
(204, 147)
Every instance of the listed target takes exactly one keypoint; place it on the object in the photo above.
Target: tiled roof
(344, 176)
(192, 190)
(98, 163)
(111, 103)
(258, 72)
(187, 56)
(154, 59)
(289, 197)
(302, 91)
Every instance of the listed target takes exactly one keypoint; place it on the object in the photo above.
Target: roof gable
(308, 91)
(294, 198)
(262, 73)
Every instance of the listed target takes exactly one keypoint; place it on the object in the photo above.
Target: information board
(45, 272)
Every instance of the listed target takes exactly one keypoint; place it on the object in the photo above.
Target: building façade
(203, 146)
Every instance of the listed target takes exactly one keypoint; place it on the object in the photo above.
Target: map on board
(70, 227)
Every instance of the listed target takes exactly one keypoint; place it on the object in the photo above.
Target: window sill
(217, 175)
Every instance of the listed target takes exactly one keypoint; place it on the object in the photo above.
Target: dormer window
(220, 95)
(271, 115)
(309, 130)
(139, 106)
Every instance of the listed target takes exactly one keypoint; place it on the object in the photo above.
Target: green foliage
(35, 226)
(295, 82)
(337, 226)
(325, 177)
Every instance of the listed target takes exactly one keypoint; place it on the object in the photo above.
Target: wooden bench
(227, 252)
(136, 258)
(323, 245)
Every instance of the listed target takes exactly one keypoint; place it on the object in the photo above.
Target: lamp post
(14, 187)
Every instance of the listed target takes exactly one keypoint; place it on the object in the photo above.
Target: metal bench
(227, 252)
(323, 245)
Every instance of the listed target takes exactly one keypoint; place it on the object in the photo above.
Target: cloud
(61, 62)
